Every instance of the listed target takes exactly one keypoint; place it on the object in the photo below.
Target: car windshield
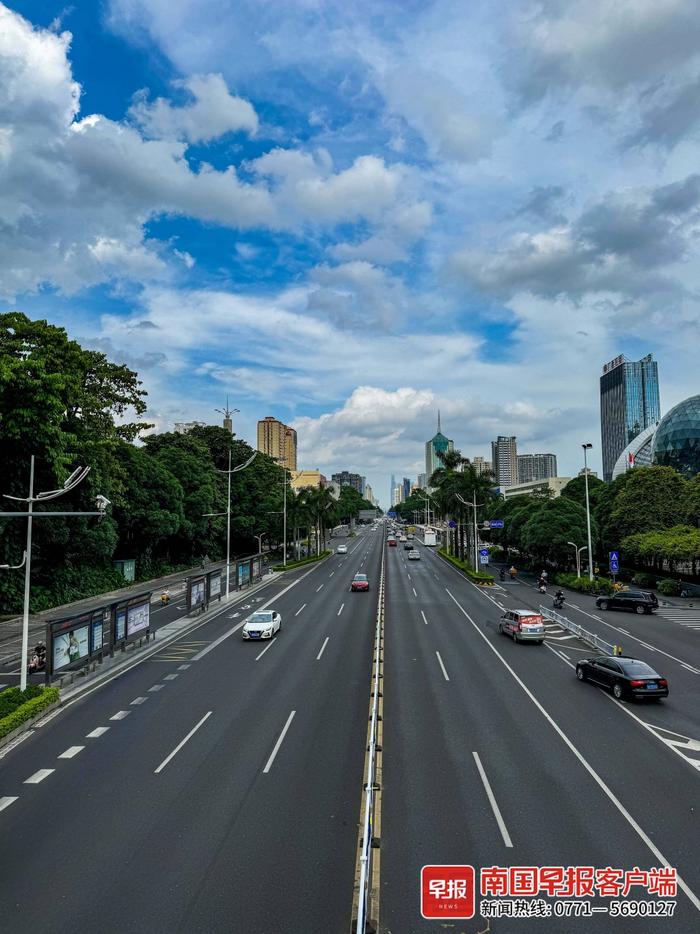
(638, 669)
(360, 577)
(262, 616)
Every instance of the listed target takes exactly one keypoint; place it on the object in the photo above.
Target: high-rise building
(396, 495)
(536, 467)
(183, 427)
(303, 479)
(504, 457)
(406, 489)
(369, 493)
(629, 403)
(480, 465)
(392, 486)
(344, 478)
(422, 481)
(279, 441)
(438, 444)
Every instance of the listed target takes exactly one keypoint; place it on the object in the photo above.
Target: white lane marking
(331, 574)
(38, 776)
(97, 732)
(564, 654)
(300, 609)
(183, 667)
(182, 743)
(71, 752)
(171, 677)
(581, 758)
(647, 646)
(414, 591)
(138, 700)
(687, 667)
(279, 743)
(341, 609)
(120, 715)
(626, 631)
(424, 619)
(319, 588)
(439, 658)
(156, 687)
(492, 801)
(268, 646)
(6, 802)
(318, 657)
(409, 576)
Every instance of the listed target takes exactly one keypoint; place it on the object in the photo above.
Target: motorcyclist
(165, 597)
(542, 585)
(502, 574)
(513, 572)
(559, 599)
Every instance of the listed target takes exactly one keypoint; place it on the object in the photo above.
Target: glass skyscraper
(629, 403)
(438, 444)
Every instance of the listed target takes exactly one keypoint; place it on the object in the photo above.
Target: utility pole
(473, 505)
(586, 447)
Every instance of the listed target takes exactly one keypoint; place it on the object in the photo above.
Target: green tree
(549, 529)
(652, 498)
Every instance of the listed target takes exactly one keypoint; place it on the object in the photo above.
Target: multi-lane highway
(217, 787)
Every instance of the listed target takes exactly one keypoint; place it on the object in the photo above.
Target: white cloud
(214, 112)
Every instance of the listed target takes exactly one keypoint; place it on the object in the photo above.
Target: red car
(391, 542)
(359, 582)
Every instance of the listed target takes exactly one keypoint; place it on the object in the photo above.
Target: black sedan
(624, 676)
(640, 601)
(408, 546)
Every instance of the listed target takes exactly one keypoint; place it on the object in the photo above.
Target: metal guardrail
(579, 631)
(365, 883)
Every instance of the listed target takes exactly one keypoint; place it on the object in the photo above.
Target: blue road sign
(497, 523)
(484, 552)
(614, 555)
(391, 515)
(614, 560)
(452, 524)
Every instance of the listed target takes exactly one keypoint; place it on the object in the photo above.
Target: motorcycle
(165, 598)
(38, 659)
(558, 601)
(502, 574)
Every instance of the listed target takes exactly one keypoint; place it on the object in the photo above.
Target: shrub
(302, 561)
(13, 698)
(669, 588)
(644, 580)
(28, 708)
(583, 585)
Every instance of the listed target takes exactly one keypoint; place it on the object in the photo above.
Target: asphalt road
(250, 826)
(576, 778)
(216, 787)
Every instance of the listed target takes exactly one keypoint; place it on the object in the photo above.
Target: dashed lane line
(182, 743)
(71, 752)
(318, 657)
(424, 619)
(439, 658)
(97, 732)
(7, 801)
(268, 646)
(38, 776)
(138, 700)
(120, 715)
(156, 687)
(300, 609)
(279, 742)
(341, 609)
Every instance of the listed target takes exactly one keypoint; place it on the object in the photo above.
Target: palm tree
(298, 515)
(455, 481)
(321, 503)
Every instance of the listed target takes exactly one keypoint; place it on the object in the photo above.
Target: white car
(341, 550)
(262, 624)
(414, 555)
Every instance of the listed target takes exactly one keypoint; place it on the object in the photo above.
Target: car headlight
(267, 632)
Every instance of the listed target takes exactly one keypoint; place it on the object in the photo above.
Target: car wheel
(580, 673)
(603, 604)
(641, 609)
(617, 690)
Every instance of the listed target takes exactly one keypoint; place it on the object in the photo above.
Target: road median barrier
(584, 634)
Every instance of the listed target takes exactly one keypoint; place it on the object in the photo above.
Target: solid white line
(182, 743)
(322, 648)
(300, 609)
(584, 762)
(278, 743)
(319, 588)
(268, 646)
(414, 591)
(6, 802)
(447, 677)
(492, 801)
(71, 751)
(38, 777)
(138, 700)
(98, 731)
(424, 619)
(341, 609)
(120, 715)
(687, 667)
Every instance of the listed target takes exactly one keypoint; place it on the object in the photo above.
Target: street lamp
(427, 499)
(284, 513)
(70, 484)
(578, 555)
(586, 448)
(260, 538)
(473, 505)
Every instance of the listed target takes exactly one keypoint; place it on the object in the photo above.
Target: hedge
(298, 564)
(669, 588)
(600, 585)
(479, 577)
(24, 708)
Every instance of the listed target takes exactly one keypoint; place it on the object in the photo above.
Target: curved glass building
(677, 439)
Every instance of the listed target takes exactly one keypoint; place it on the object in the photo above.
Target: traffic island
(476, 577)
(300, 564)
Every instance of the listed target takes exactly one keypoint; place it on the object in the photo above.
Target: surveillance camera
(102, 503)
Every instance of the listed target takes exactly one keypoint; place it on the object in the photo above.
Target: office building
(396, 495)
(551, 486)
(438, 444)
(345, 478)
(481, 466)
(536, 467)
(406, 489)
(422, 481)
(504, 457)
(368, 493)
(302, 479)
(279, 441)
(629, 403)
(182, 428)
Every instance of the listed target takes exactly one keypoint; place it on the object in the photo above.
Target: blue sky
(349, 216)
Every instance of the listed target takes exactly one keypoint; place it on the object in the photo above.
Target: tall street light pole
(473, 505)
(229, 472)
(578, 556)
(75, 478)
(586, 448)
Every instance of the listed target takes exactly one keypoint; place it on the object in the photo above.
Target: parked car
(341, 550)
(522, 626)
(414, 555)
(623, 675)
(262, 624)
(641, 601)
(359, 582)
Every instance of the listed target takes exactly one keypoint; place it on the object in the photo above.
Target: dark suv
(638, 600)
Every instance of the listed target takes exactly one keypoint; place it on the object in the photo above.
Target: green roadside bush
(23, 705)
(582, 584)
(644, 580)
(479, 577)
(669, 588)
(300, 563)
